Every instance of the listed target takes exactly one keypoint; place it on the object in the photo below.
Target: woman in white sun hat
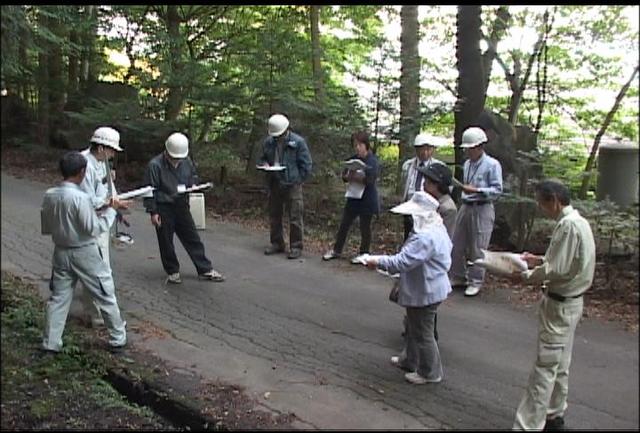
(423, 263)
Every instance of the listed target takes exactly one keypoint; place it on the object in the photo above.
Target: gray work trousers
(84, 264)
(90, 307)
(422, 353)
(289, 198)
(548, 387)
(474, 224)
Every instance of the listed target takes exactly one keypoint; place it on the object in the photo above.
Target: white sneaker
(174, 278)
(212, 275)
(330, 255)
(472, 290)
(416, 379)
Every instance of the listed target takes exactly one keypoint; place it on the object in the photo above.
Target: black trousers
(348, 217)
(177, 219)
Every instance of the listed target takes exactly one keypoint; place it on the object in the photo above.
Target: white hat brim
(408, 208)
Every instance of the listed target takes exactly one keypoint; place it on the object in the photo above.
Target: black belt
(475, 203)
(561, 298)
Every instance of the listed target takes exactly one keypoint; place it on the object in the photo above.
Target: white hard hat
(472, 137)
(107, 137)
(277, 125)
(177, 145)
(427, 140)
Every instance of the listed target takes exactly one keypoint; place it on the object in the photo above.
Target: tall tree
(409, 82)
(316, 54)
(175, 97)
(471, 96)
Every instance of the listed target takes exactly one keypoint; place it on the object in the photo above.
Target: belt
(561, 298)
(475, 202)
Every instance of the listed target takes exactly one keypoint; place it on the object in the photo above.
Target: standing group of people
(439, 241)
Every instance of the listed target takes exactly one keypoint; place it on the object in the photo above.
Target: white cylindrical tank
(618, 172)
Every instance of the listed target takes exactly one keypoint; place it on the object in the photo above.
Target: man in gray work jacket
(74, 225)
(474, 222)
(284, 148)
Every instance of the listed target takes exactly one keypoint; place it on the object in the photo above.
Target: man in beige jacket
(566, 270)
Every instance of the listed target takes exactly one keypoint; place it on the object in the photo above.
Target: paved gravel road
(317, 336)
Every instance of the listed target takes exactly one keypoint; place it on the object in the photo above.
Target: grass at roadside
(61, 391)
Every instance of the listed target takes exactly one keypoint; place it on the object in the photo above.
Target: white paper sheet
(354, 190)
(503, 263)
(145, 191)
(271, 167)
(354, 164)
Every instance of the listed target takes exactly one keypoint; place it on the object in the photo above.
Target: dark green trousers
(289, 199)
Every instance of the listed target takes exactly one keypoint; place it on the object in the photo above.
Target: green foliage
(564, 161)
(615, 230)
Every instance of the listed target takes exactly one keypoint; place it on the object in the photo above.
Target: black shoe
(554, 424)
(273, 249)
(118, 349)
(294, 253)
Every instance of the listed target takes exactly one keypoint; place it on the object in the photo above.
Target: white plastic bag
(499, 262)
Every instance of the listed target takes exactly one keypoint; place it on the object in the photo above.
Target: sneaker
(330, 255)
(274, 249)
(212, 275)
(472, 290)
(416, 379)
(294, 253)
(357, 260)
(174, 278)
(396, 362)
(554, 424)
(457, 282)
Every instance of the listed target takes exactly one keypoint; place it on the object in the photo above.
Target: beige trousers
(546, 393)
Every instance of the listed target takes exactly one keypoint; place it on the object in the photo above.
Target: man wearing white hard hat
(286, 155)
(98, 183)
(171, 173)
(423, 263)
(425, 146)
(474, 223)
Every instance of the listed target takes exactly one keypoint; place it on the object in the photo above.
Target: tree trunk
(596, 142)
(43, 85)
(470, 67)
(409, 84)
(72, 75)
(175, 98)
(316, 55)
(499, 28)
(56, 82)
(88, 75)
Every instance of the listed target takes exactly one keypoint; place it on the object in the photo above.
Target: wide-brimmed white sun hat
(420, 203)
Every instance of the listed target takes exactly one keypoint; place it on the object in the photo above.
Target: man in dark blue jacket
(287, 161)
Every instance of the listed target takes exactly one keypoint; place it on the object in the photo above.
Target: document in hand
(355, 164)
(354, 190)
(145, 191)
(199, 187)
(271, 167)
(504, 263)
(363, 259)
